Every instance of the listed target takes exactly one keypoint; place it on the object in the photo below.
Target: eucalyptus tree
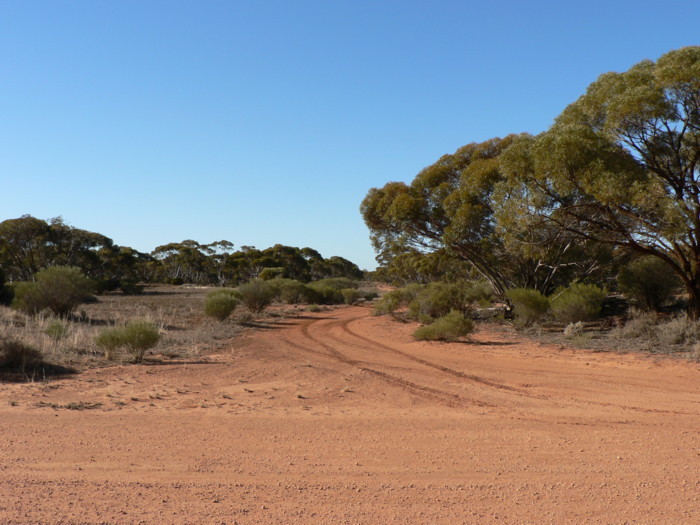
(621, 166)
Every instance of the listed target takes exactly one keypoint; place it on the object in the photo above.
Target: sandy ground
(340, 417)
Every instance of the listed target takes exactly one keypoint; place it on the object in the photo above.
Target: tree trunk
(693, 289)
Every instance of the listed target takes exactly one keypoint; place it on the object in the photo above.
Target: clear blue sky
(265, 122)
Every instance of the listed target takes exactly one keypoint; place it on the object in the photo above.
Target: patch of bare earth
(340, 417)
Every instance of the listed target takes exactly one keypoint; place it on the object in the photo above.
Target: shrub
(129, 287)
(640, 324)
(110, 340)
(58, 288)
(649, 281)
(350, 295)
(678, 331)
(139, 337)
(313, 308)
(57, 330)
(446, 328)
(136, 336)
(573, 330)
(337, 283)
(220, 303)
(389, 303)
(6, 293)
(290, 291)
(579, 302)
(530, 305)
(28, 298)
(256, 295)
(370, 295)
(325, 294)
(438, 299)
(19, 356)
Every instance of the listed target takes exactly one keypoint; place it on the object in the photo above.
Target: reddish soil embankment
(340, 417)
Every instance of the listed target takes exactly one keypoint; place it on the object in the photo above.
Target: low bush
(58, 288)
(109, 340)
(447, 328)
(325, 294)
(219, 304)
(579, 302)
(438, 299)
(530, 305)
(139, 337)
(56, 330)
(17, 355)
(256, 295)
(290, 291)
(129, 287)
(136, 336)
(678, 331)
(350, 295)
(640, 324)
(337, 283)
(649, 281)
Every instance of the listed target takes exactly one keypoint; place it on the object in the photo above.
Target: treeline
(613, 182)
(28, 245)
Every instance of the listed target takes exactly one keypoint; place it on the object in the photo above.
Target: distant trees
(28, 244)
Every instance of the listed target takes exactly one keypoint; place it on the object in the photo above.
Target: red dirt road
(342, 418)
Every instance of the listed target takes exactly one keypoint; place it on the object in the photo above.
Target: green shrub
(649, 281)
(313, 308)
(438, 299)
(129, 287)
(447, 328)
(220, 303)
(106, 285)
(370, 295)
(256, 295)
(6, 292)
(325, 294)
(337, 283)
(579, 302)
(28, 298)
(16, 355)
(57, 330)
(110, 340)
(136, 336)
(350, 295)
(290, 291)
(58, 288)
(139, 337)
(530, 305)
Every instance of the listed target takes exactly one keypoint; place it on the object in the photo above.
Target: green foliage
(530, 305)
(130, 287)
(256, 295)
(290, 291)
(350, 295)
(139, 337)
(389, 302)
(219, 304)
(58, 288)
(579, 302)
(57, 330)
(19, 356)
(329, 291)
(438, 299)
(110, 340)
(649, 281)
(446, 328)
(619, 165)
(27, 298)
(313, 308)
(271, 273)
(136, 336)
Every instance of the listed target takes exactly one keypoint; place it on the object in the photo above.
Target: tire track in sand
(445, 398)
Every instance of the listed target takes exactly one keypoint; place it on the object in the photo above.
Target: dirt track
(342, 418)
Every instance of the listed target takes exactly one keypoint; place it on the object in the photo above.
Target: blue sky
(265, 122)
